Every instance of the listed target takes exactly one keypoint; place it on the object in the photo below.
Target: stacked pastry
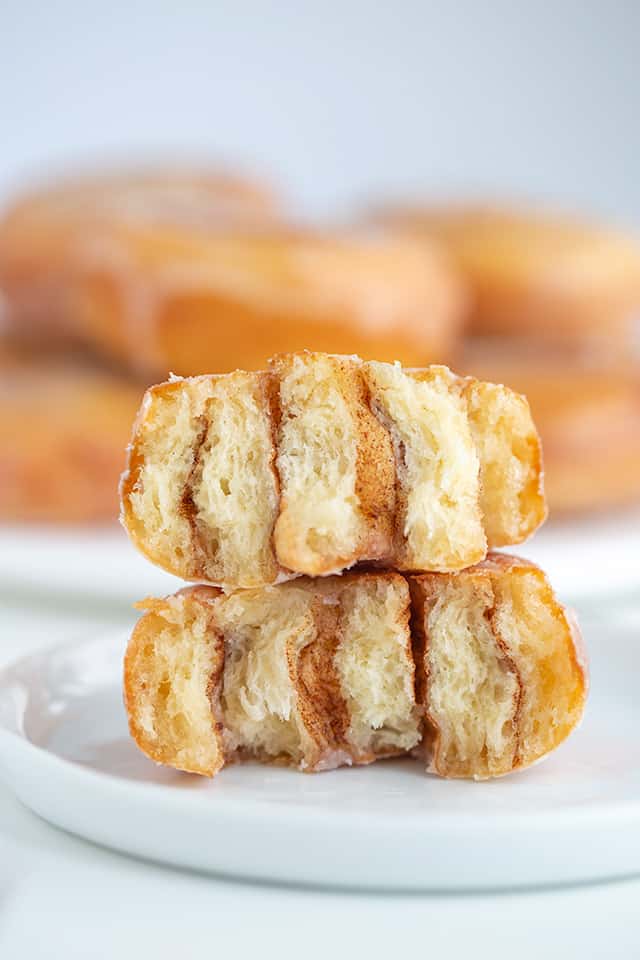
(131, 277)
(337, 516)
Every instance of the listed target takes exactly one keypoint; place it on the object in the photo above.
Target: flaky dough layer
(311, 673)
(324, 462)
(486, 676)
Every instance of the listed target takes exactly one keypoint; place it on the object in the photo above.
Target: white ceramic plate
(65, 751)
(102, 565)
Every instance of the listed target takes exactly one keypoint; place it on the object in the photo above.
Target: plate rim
(531, 848)
(572, 811)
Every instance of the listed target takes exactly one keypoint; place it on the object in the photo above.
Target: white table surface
(62, 897)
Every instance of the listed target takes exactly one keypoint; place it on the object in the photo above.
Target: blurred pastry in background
(242, 295)
(51, 237)
(197, 275)
(561, 281)
(63, 431)
(588, 417)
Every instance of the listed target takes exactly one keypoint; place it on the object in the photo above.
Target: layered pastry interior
(479, 672)
(324, 462)
(315, 673)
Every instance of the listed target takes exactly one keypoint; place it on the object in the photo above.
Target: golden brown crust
(552, 278)
(479, 396)
(138, 657)
(130, 477)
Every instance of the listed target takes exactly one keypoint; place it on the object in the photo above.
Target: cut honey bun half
(314, 673)
(324, 462)
(479, 673)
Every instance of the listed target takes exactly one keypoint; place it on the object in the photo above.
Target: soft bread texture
(325, 462)
(202, 491)
(510, 461)
(63, 435)
(311, 673)
(336, 467)
(189, 272)
(437, 466)
(552, 278)
(500, 669)
(173, 669)
(320, 673)
(588, 416)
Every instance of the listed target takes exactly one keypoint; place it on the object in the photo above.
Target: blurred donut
(588, 418)
(195, 276)
(49, 238)
(246, 295)
(63, 433)
(559, 280)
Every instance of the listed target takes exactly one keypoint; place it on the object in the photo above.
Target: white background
(336, 100)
